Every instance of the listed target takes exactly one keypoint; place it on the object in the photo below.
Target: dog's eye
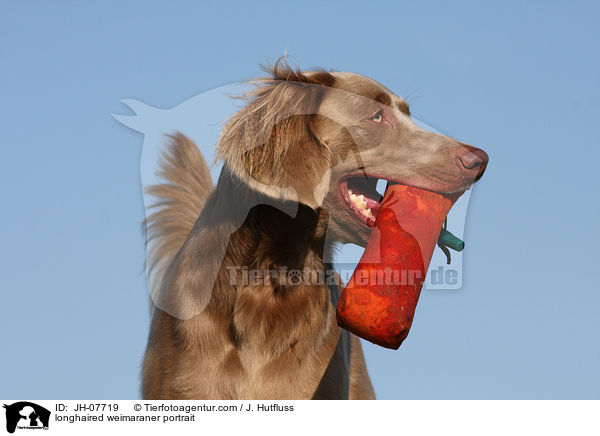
(378, 117)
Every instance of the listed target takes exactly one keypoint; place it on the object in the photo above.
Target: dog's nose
(472, 160)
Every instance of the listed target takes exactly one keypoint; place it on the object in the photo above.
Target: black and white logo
(26, 415)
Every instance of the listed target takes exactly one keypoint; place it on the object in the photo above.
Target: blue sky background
(519, 80)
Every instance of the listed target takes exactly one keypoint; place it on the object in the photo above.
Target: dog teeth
(360, 203)
(358, 200)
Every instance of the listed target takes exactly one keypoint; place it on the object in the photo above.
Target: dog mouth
(362, 195)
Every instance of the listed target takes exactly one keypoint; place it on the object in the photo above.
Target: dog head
(325, 140)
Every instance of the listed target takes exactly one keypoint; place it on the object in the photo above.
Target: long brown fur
(274, 208)
(188, 183)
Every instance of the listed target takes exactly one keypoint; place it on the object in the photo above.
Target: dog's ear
(270, 144)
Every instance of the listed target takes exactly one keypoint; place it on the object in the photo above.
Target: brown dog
(301, 162)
